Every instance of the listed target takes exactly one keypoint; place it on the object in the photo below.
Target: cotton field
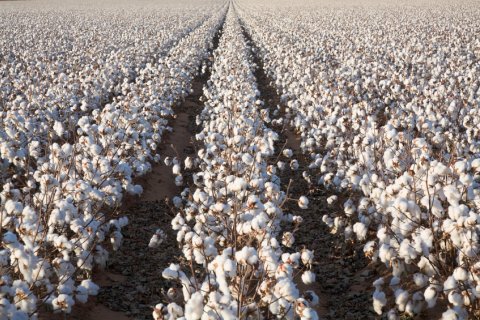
(239, 159)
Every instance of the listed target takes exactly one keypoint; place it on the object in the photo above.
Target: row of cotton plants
(56, 219)
(387, 102)
(240, 263)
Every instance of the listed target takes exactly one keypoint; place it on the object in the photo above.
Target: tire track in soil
(343, 275)
(132, 284)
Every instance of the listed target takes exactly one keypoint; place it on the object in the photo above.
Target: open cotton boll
(287, 153)
(420, 280)
(58, 128)
(157, 239)
(307, 257)
(360, 230)
(288, 239)
(401, 299)
(248, 255)
(248, 159)
(379, 301)
(460, 274)
(63, 302)
(332, 199)
(176, 169)
(194, 307)
(303, 202)
(450, 284)
(308, 277)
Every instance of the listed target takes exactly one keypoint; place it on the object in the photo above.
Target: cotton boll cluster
(230, 223)
(402, 142)
(72, 140)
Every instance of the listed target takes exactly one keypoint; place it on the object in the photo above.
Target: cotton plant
(230, 223)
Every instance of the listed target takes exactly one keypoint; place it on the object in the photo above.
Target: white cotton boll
(177, 202)
(328, 220)
(308, 277)
(455, 298)
(63, 302)
(248, 159)
(167, 161)
(420, 280)
(287, 153)
(360, 230)
(157, 313)
(13, 207)
(460, 274)
(188, 163)
(394, 283)
(452, 194)
(332, 199)
(194, 307)
(379, 301)
(176, 169)
(307, 257)
(90, 286)
(378, 283)
(309, 314)
(392, 315)
(247, 255)
(179, 180)
(294, 165)
(450, 284)
(303, 202)
(401, 299)
(58, 128)
(238, 185)
(431, 295)
(288, 239)
(281, 165)
(311, 297)
(157, 239)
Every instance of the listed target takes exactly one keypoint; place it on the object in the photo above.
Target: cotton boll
(332, 199)
(379, 301)
(176, 169)
(188, 163)
(287, 153)
(288, 239)
(431, 295)
(157, 239)
(460, 274)
(420, 280)
(303, 202)
(308, 277)
(455, 298)
(158, 312)
(360, 230)
(63, 302)
(401, 299)
(179, 180)
(58, 128)
(450, 284)
(194, 307)
(294, 165)
(307, 257)
(248, 159)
